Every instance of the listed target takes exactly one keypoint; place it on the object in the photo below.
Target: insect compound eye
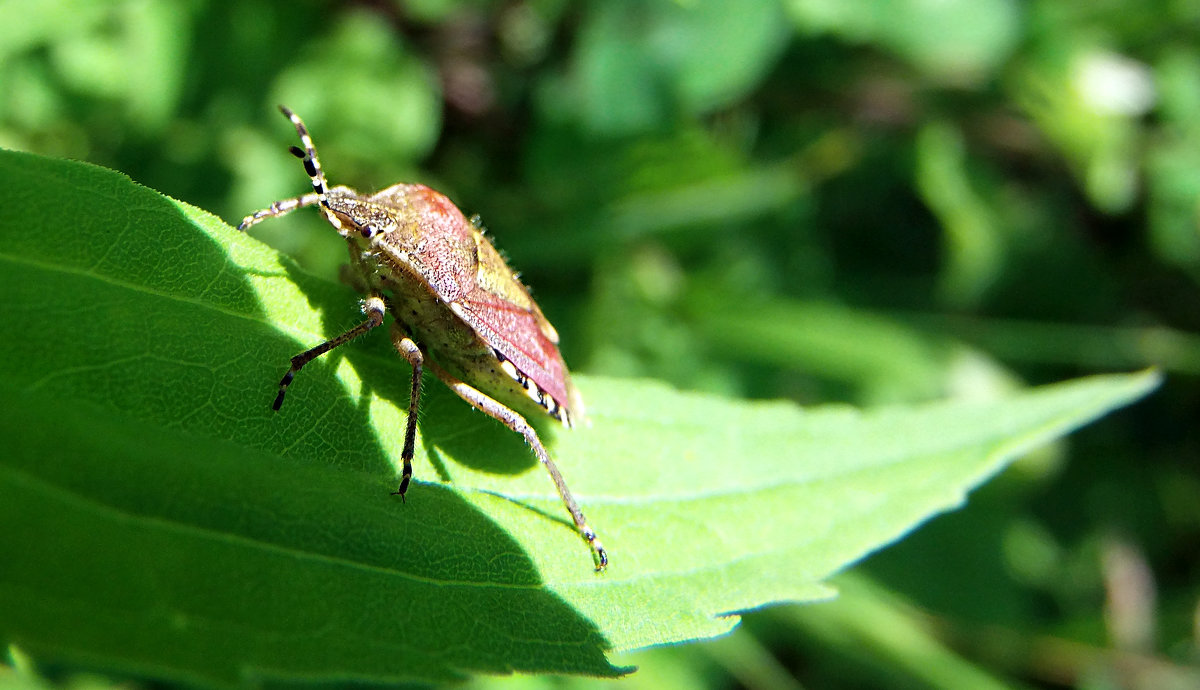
(368, 230)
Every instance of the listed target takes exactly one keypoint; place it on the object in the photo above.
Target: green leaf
(161, 521)
(973, 37)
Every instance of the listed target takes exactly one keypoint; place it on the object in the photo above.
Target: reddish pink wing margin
(516, 334)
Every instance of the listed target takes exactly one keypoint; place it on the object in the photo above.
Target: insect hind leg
(411, 352)
(517, 423)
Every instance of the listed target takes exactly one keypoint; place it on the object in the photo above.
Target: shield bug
(457, 309)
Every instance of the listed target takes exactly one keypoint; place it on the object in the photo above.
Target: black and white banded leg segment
(312, 165)
(373, 307)
(514, 421)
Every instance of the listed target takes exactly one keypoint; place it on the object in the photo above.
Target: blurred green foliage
(871, 202)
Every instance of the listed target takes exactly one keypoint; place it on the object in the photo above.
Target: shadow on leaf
(171, 526)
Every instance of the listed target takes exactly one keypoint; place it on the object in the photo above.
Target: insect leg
(373, 307)
(406, 347)
(286, 206)
(517, 423)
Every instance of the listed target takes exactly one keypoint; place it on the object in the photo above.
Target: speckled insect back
(458, 309)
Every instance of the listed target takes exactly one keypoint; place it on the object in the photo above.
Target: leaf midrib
(218, 536)
(299, 334)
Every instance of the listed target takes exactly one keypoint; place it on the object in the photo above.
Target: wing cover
(518, 335)
(462, 267)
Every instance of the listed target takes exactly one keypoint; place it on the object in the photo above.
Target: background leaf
(168, 525)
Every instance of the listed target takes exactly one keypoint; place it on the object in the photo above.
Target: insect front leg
(373, 307)
(517, 423)
(411, 352)
(283, 206)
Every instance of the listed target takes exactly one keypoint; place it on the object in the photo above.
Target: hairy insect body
(459, 311)
(456, 296)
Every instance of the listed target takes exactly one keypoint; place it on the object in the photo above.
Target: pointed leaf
(160, 520)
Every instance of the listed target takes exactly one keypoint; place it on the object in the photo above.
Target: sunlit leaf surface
(160, 520)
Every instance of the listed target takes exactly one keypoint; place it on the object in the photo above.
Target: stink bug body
(458, 309)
